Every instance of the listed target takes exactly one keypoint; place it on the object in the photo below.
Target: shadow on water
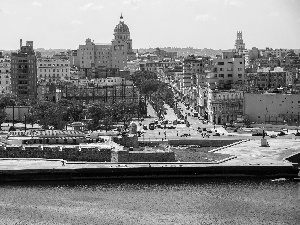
(148, 182)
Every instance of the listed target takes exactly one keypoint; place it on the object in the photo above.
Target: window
(220, 63)
(221, 75)
(239, 69)
(229, 75)
(240, 75)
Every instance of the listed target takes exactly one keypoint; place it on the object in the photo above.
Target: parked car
(257, 134)
(281, 133)
(145, 127)
(151, 126)
(217, 134)
(185, 135)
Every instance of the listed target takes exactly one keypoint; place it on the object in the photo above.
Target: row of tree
(98, 115)
(59, 114)
(156, 92)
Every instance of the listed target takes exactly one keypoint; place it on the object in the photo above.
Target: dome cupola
(121, 27)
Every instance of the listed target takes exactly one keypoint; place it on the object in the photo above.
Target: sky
(65, 24)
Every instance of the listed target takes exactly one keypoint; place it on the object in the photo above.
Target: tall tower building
(24, 72)
(239, 44)
(121, 45)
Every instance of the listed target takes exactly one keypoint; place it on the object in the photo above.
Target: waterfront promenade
(248, 153)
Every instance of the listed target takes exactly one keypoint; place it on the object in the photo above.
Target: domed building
(112, 55)
(121, 45)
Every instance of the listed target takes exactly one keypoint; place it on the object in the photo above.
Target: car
(216, 134)
(185, 135)
(281, 133)
(297, 134)
(145, 127)
(257, 134)
(171, 127)
(151, 126)
(273, 136)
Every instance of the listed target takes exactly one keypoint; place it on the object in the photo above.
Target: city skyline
(158, 23)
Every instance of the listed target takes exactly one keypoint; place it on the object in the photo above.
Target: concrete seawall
(148, 171)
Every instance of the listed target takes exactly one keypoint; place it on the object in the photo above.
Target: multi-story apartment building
(192, 66)
(5, 81)
(24, 72)
(227, 70)
(53, 70)
(224, 106)
(112, 55)
(291, 61)
(267, 78)
(279, 53)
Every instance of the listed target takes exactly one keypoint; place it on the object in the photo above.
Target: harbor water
(152, 201)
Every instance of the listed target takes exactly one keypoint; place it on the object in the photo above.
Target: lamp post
(13, 115)
(25, 121)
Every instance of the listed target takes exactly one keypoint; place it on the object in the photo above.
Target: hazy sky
(152, 23)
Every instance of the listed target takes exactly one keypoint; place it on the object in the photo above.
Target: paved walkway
(250, 152)
(171, 116)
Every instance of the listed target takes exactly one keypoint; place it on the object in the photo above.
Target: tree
(126, 111)
(73, 109)
(47, 114)
(95, 112)
(2, 117)
(7, 100)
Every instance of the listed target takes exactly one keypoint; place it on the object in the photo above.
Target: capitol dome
(121, 27)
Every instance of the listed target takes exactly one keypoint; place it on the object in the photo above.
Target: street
(181, 129)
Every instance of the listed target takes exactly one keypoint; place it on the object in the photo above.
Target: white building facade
(53, 70)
